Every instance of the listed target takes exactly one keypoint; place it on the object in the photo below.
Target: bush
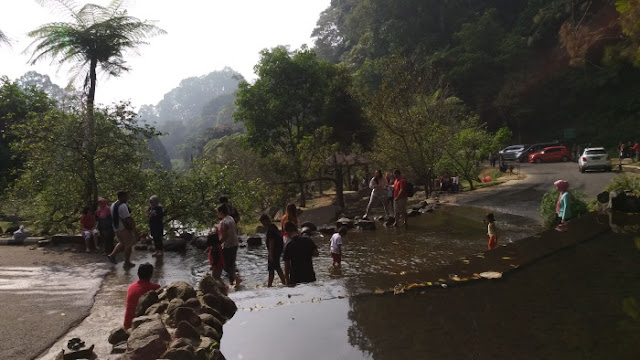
(579, 205)
(625, 181)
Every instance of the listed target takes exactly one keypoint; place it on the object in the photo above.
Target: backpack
(410, 190)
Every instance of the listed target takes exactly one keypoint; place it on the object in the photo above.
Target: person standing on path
(492, 231)
(156, 226)
(105, 225)
(400, 198)
(378, 185)
(275, 247)
(125, 229)
(136, 290)
(298, 257)
(228, 235)
(563, 205)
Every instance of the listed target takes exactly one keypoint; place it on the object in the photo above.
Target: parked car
(594, 158)
(550, 154)
(509, 153)
(523, 155)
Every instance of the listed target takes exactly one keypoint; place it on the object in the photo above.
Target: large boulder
(118, 335)
(186, 330)
(222, 303)
(173, 305)
(254, 240)
(327, 229)
(186, 352)
(310, 225)
(210, 320)
(186, 314)
(157, 308)
(206, 349)
(346, 222)
(137, 321)
(180, 290)
(620, 200)
(603, 197)
(147, 341)
(209, 285)
(193, 303)
(175, 244)
(149, 298)
(366, 225)
(210, 332)
(200, 242)
(205, 309)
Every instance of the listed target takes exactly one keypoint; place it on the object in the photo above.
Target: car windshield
(596, 152)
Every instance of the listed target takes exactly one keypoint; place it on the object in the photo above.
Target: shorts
(126, 237)
(88, 234)
(493, 242)
(230, 255)
(337, 258)
(400, 205)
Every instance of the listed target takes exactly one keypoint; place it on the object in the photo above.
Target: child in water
(336, 246)
(492, 231)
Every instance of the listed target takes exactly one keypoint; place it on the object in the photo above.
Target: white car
(593, 159)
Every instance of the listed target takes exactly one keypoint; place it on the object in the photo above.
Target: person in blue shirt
(563, 206)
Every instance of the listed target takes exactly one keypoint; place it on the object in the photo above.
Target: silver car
(595, 158)
(510, 152)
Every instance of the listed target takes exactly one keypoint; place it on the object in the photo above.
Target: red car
(549, 154)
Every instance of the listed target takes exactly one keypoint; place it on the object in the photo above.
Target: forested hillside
(198, 110)
(537, 66)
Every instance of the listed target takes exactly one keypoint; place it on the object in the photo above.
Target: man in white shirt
(125, 229)
(378, 186)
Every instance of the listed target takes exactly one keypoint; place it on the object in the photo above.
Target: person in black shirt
(274, 247)
(156, 227)
(298, 263)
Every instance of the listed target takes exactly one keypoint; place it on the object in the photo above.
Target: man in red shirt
(136, 290)
(400, 198)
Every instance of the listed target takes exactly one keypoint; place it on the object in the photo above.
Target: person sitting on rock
(88, 228)
(136, 290)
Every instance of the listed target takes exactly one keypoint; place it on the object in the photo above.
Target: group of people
(629, 150)
(392, 192)
(284, 244)
(114, 221)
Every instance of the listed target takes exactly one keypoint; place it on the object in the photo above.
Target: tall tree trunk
(339, 186)
(303, 197)
(92, 182)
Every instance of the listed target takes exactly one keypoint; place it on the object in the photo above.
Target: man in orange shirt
(400, 198)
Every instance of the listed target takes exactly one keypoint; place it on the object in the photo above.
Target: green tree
(96, 36)
(50, 187)
(17, 104)
(295, 95)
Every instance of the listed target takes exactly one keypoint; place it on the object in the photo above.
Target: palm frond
(4, 39)
(69, 7)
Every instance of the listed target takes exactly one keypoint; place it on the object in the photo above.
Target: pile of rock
(178, 322)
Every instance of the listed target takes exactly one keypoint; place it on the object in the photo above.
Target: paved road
(522, 197)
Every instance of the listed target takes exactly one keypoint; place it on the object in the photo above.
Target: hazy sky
(202, 36)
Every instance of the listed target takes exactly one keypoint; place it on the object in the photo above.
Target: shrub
(579, 205)
(625, 181)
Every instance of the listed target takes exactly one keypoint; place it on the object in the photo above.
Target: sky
(202, 36)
